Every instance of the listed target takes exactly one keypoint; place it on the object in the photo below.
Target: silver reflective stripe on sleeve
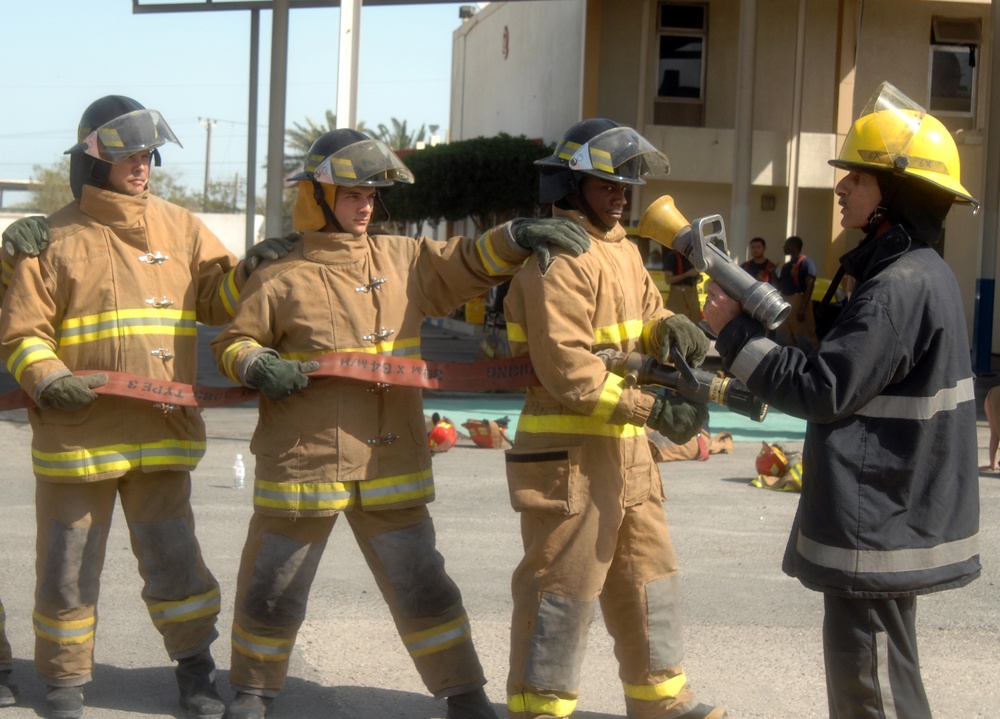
(751, 356)
(870, 561)
(895, 407)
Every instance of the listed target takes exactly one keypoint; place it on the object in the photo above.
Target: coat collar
(615, 234)
(334, 248)
(113, 208)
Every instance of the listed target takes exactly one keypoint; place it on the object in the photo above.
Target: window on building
(682, 30)
(952, 67)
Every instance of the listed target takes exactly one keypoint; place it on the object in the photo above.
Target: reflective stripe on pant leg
(426, 605)
(641, 607)
(872, 666)
(72, 522)
(563, 571)
(279, 564)
(181, 595)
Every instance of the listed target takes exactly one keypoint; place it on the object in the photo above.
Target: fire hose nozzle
(703, 242)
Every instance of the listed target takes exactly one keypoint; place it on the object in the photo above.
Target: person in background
(890, 492)
(796, 282)
(683, 279)
(761, 268)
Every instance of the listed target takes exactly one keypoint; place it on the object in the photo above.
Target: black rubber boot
(248, 706)
(64, 702)
(8, 691)
(471, 705)
(196, 682)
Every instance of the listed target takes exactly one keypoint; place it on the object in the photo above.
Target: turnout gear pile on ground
(580, 472)
(488, 433)
(348, 447)
(777, 469)
(120, 288)
(443, 435)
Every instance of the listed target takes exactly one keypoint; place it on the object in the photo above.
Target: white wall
(536, 90)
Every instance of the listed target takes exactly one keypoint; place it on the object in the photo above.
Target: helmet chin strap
(320, 198)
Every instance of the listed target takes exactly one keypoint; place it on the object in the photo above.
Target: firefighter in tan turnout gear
(348, 447)
(580, 473)
(120, 287)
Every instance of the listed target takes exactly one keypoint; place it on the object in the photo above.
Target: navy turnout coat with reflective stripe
(890, 496)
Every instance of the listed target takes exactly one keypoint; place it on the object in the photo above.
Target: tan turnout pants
(279, 563)
(73, 520)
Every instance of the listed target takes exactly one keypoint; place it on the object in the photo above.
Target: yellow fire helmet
(896, 134)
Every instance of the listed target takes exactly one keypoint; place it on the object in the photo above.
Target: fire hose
(692, 384)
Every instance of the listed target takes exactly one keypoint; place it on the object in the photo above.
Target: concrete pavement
(752, 635)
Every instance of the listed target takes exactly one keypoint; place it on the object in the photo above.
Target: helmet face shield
(126, 135)
(620, 154)
(368, 162)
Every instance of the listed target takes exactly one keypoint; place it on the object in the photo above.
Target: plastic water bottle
(239, 472)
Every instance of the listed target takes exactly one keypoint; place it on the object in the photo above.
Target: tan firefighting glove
(72, 392)
(677, 419)
(680, 332)
(538, 235)
(278, 378)
(28, 235)
(272, 248)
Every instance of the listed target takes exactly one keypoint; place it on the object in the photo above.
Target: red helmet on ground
(487, 433)
(443, 436)
(771, 461)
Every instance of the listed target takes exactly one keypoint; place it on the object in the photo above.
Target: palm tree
(398, 138)
(300, 137)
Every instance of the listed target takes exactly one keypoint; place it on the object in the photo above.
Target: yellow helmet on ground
(895, 134)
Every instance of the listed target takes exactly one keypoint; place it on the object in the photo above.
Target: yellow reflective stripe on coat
(118, 457)
(290, 496)
(229, 293)
(408, 347)
(339, 496)
(75, 631)
(515, 333)
(6, 272)
(437, 639)
(229, 356)
(29, 351)
(540, 706)
(184, 610)
(575, 424)
(619, 333)
(123, 323)
(493, 263)
(650, 693)
(263, 649)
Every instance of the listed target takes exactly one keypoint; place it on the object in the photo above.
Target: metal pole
(982, 322)
(739, 220)
(209, 124)
(251, 210)
(347, 67)
(793, 153)
(276, 118)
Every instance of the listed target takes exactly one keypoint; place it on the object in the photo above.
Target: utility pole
(209, 124)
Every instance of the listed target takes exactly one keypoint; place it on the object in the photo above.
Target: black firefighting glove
(538, 235)
(278, 378)
(272, 248)
(28, 235)
(72, 392)
(680, 332)
(677, 419)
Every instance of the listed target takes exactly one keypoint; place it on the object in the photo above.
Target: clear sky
(60, 55)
